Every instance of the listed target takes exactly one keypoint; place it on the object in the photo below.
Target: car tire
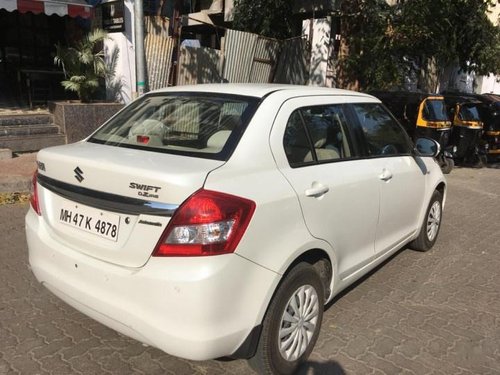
(288, 332)
(448, 166)
(431, 224)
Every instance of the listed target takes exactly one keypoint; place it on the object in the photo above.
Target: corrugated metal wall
(239, 48)
(246, 58)
(293, 62)
(198, 65)
(264, 60)
(249, 57)
(158, 47)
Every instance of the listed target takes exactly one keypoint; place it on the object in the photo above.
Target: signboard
(113, 16)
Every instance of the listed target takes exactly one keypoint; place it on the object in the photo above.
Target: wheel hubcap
(298, 323)
(433, 221)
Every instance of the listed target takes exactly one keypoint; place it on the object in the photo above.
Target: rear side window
(201, 125)
(315, 135)
(383, 135)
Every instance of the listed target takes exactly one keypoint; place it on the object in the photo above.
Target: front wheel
(431, 225)
(292, 323)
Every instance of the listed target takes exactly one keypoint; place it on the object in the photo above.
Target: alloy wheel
(298, 323)
(433, 220)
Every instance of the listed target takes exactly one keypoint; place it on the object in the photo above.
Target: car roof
(261, 90)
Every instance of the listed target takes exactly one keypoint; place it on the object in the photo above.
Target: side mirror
(427, 147)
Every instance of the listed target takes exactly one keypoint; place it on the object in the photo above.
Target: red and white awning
(72, 8)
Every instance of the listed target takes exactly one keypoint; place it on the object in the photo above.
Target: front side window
(201, 125)
(316, 134)
(383, 135)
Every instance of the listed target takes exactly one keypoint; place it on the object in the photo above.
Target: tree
(443, 32)
(271, 18)
(83, 65)
(368, 59)
(385, 44)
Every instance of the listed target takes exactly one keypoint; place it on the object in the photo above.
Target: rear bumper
(197, 308)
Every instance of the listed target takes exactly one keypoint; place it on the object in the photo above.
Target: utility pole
(177, 29)
(140, 63)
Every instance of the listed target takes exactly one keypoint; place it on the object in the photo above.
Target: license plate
(91, 220)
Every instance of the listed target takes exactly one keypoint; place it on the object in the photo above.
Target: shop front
(29, 31)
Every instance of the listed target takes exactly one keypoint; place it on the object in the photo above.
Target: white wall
(320, 49)
(491, 83)
(488, 85)
(123, 86)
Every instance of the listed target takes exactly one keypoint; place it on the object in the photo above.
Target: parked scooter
(422, 115)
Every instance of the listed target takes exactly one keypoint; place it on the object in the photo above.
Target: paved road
(421, 313)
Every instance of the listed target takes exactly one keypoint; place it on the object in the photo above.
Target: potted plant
(85, 70)
(84, 65)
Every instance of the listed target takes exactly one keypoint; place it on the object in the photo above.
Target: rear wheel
(431, 225)
(292, 323)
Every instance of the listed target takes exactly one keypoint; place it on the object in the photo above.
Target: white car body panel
(354, 246)
(113, 169)
(400, 197)
(205, 307)
(197, 308)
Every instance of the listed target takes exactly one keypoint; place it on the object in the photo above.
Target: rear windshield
(435, 110)
(191, 124)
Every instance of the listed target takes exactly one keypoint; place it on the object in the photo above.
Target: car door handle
(386, 175)
(317, 190)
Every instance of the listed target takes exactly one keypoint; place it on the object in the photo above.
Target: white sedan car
(217, 220)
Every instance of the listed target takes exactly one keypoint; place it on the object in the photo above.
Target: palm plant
(83, 65)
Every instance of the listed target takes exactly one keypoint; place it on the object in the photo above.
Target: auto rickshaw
(467, 129)
(489, 112)
(422, 115)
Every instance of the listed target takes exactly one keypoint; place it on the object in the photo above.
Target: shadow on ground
(320, 368)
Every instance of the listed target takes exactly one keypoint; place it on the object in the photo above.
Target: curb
(18, 184)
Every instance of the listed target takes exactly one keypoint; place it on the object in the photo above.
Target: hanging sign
(113, 16)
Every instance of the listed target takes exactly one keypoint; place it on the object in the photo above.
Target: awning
(72, 8)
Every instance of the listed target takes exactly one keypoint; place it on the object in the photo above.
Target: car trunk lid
(114, 203)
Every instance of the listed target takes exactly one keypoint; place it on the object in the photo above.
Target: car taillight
(207, 223)
(35, 204)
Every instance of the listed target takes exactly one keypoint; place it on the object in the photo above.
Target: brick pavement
(421, 313)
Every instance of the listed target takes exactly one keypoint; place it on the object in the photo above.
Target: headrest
(148, 127)
(230, 122)
(318, 136)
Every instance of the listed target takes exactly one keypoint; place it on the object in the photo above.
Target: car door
(401, 178)
(338, 192)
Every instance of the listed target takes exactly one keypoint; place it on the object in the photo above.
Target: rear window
(191, 124)
(435, 110)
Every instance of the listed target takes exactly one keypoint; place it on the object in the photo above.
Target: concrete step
(29, 132)
(21, 130)
(23, 120)
(32, 142)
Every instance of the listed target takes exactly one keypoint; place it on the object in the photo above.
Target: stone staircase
(29, 132)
